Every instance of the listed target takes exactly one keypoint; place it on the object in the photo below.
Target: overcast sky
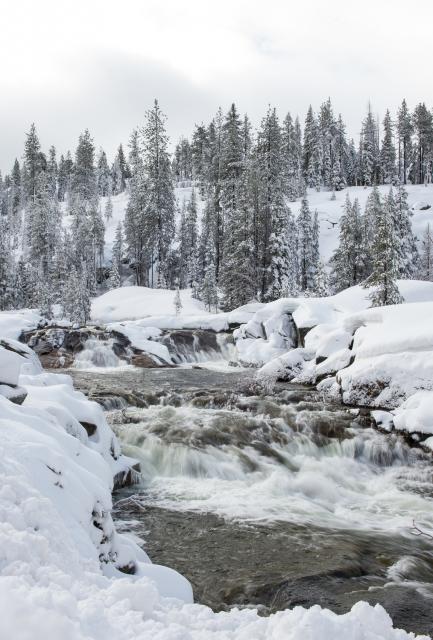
(99, 63)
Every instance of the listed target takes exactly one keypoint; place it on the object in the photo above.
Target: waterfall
(186, 346)
(97, 354)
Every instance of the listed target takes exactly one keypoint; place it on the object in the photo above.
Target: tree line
(248, 246)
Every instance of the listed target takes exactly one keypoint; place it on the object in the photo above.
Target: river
(269, 499)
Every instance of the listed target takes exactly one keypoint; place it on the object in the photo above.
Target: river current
(268, 498)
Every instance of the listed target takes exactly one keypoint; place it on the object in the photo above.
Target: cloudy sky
(99, 63)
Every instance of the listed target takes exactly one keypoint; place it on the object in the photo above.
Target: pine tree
(426, 262)
(177, 302)
(108, 212)
(34, 163)
(115, 281)
(65, 171)
(404, 132)
(306, 248)
(118, 246)
(312, 156)
(423, 128)
(103, 177)
(346, 261)
(387, 153)
(385, 258)
(209, 291)
(160, 201)
(407, 243)
(76, 301)
(369, 150)
(6, 267)
(136, 237)
(120, 172)
(83, 182)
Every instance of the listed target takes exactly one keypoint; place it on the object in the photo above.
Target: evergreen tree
(312, 152)
(407, 244)
(34, 163)
(120, 172)
(385, 258)
(404, 133)
(369, 150)
(108, 213)
(346, 261)
(387, 153)
(160, 201)
(177, 302)
(84, 175)
(426, 262)
(76, 301)
(306, 248)
(115, 281)
(103, 177)
(423, 128)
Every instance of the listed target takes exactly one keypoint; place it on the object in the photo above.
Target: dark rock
(89, 427)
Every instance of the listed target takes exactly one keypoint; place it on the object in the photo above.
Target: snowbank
(132, 303)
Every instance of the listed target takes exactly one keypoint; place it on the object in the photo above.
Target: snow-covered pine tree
(115, 281)
(372, 211)
(306, 248)
(387, 152)
(209, 291)
(6, 267)
(52, 171)
(120, 172)
(83, 182)
(118, 246)
(191, 236)
(34, 163)
(66, 167)
(160, 200)
(312, 152)
(369, 150)
(292, 157)
(423, 128)
(346, 261)
(385, 258)
(76, 301)
(45, 297)
(177, 302)
(103, 175)
(44, 225)
(408, 250)
(108, 211)
(404, 133)
(182, 162)
(200, 156)
(426, 261)
(135, 227)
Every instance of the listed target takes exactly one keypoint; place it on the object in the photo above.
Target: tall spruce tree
(385, 258)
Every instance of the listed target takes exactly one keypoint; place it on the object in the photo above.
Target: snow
(132, 303)
(330, 211)
(415, 414)
(13, 323)
(60, 553)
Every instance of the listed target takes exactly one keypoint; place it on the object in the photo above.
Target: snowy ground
(329, 211)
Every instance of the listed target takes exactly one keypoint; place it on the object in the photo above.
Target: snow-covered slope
(329, 211)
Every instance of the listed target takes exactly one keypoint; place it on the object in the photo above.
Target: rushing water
(271, 500)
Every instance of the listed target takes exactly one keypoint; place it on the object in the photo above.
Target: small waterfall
(97, 354)
(186, 346)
